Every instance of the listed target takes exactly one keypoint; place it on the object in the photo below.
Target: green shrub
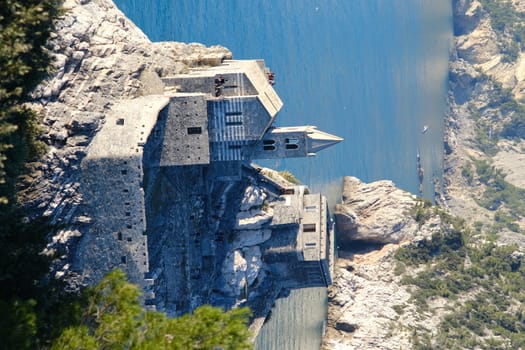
(506, 21)
(493, 279)
(288, 176)
(112, 318)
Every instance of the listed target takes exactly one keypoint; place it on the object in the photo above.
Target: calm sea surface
(371, 71)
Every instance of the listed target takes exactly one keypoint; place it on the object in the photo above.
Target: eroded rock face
(376, 213)
(364, 304)
(462, 80)
(467, 14)
(369, 306)
(240, 269)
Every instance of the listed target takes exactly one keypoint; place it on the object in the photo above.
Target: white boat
(425, 129)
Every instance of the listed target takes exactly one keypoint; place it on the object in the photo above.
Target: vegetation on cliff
(498, 195)
(502, 116)
(509, 24)
(479, 283)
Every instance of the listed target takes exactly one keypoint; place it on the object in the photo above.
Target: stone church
(227, 113)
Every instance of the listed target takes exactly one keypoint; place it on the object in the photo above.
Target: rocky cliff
(369, 307)
(486, 87)
(371, 304)
(374, 213)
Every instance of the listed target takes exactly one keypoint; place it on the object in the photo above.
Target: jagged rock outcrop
(243, 262)
(240, 269)
(363, 300)
(478, 44)
(101, 58)
(467, 15)
(475, 39)
(376, 213)
(368, 305)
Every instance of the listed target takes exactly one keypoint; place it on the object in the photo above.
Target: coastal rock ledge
(374, 213)
(369, 306)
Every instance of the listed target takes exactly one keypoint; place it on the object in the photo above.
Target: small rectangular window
(233, 123)
(309, 227)
(311, 208)
(233, 113)
(194, 130)
(310, 244)
(123, 259)
(120, 121)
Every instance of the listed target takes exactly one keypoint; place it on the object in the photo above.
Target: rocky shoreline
(369, 308)
(366, 299)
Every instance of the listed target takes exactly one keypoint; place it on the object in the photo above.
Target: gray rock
(467, 14)
(374, 213)
(85, 121)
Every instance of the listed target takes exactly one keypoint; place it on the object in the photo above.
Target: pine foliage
(25, 28)
(112, 318)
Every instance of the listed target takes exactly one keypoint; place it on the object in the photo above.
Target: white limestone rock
(254, 196)
(233, 271)
(247, 238)
(370, 308)
(375, 212)
(241, 268)
(252, 219)
(252, 256)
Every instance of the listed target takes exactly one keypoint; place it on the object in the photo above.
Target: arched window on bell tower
(269, 145)
(291, 143)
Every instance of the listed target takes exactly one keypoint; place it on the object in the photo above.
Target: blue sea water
(371, 71)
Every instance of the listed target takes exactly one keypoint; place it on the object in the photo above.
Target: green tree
(113, 319)
(25, 27)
